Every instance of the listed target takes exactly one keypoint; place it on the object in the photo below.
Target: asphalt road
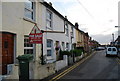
(97, 67)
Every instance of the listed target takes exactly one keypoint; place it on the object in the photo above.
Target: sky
(97, 17)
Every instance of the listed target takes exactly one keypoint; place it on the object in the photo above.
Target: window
(30, 10)
(49, 47)
(28, 48)
(49, 19)
(66, 29)
(67, 46)
(109, 49)
(114, 49)
(72, 33)
(5, 44)
(63, 46)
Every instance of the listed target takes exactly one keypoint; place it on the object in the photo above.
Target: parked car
(111, 51)
(100, 48)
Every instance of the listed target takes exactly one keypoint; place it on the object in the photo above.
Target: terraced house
(59, 34)
(18, 19)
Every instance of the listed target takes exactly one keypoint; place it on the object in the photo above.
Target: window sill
(49, 58)
(29, 20)
(50, 28)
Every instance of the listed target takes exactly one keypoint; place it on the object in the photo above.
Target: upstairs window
(66, 29)
(72, 32)
(49, 19)
(30, 10)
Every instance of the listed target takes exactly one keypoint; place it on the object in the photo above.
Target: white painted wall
(12, 21)
(119, 18)
(62, 63)
(58, 25)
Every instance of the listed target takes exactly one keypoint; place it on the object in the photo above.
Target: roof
(61, 16)
(118, 39)
(52, 9)
(55, 11)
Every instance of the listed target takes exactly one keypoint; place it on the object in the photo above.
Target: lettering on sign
(36, 35)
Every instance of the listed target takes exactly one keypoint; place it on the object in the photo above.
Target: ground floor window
(63, 46)
(49, 47)
(28, 47)
(67, 46)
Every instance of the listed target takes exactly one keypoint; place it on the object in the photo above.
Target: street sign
(36, 35)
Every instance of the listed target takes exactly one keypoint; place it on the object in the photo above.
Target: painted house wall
(15, 22)
(119, 18)
(79, 38)
(58, 25)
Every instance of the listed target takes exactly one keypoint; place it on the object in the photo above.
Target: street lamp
(117, 26)
(113, 36)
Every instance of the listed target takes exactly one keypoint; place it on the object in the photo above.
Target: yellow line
(63, 72)
(118, 61)
(69, 69)
(66, 73)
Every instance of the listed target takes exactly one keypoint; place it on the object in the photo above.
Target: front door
(7, 51)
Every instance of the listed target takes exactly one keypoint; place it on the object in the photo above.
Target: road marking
(65, 71)
(70, 68)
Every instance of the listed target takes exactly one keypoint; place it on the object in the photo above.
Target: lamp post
(113, 36)
(113, 39)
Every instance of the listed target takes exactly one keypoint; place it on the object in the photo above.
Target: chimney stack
(50, 3)
(76, 25)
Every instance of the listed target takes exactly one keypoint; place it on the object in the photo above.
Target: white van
(111, 51)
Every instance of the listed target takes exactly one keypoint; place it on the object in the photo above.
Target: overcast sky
(97, 17)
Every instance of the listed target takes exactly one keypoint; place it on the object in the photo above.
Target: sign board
(36, 35)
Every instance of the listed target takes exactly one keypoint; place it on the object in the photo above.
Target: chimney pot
(50, 3)
(76, 25)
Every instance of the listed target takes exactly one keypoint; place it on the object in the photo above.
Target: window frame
(49, 48)
(67, 45)
(66, 29)
(49, 19)
(72, 28)
(30, 10)
(28, 47)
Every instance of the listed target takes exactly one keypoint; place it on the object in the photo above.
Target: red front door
(7, 51)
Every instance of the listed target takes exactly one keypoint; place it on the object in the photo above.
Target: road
(96, 67)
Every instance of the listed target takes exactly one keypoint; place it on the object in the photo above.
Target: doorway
(7, 51)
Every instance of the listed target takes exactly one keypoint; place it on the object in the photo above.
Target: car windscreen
(114, 49)
(109, 49)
